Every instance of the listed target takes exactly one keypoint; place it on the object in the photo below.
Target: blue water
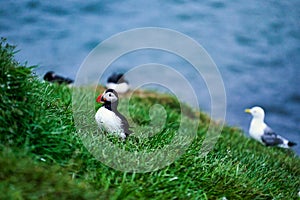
(255, 44)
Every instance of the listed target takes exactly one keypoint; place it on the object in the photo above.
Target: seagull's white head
(257, 112)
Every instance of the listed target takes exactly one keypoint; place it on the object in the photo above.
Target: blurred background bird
(117, 82)
(51, 77)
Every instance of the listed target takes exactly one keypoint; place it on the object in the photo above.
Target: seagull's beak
(99, 99)
(247, 110)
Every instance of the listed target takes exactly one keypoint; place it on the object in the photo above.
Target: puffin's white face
(256, 112)
(110, 97)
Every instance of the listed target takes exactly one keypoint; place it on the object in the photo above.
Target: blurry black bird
(54, 78)
(118, 83)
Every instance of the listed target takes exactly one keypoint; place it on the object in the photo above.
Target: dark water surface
(255, 44)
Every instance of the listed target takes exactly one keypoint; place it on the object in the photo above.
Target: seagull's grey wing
(270, 138)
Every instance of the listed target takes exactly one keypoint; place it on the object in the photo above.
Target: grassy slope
(42, 157)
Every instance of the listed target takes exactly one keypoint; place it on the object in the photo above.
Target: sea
(255, 46)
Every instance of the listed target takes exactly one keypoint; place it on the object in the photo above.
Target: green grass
(43, 157)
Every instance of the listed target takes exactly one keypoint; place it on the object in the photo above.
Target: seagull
(108, 117)
(261, 132)
(54, 78)
(118, 83)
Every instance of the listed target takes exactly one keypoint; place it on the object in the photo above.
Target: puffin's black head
(49, 76)
(117, 78)
(108, 96)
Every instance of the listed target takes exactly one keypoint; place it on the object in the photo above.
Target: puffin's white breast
(109, 121)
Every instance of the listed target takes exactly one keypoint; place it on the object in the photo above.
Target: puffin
(108, 117)
(51, 77)
(261, 132)
(117, 82)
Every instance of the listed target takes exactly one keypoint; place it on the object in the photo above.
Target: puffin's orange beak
(99, 99)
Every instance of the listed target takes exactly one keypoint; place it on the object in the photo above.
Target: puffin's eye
(109, 94)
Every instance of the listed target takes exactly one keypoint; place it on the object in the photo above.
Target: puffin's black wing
(63, 80)
(270, 138)
(125, 124)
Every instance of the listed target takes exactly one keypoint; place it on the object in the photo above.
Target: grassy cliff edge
(42, 157)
